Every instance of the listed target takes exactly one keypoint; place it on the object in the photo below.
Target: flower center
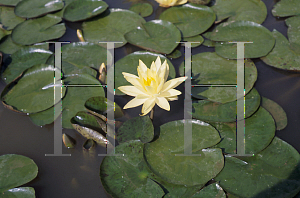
(149, 80)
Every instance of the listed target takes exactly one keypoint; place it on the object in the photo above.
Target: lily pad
(99, 106)
(210, 69)
(38, 30)
(8, 18)
(175, 54)
(22, 192)
(202, 2)
(294, 33)
(129, 64)
(276, 111)
(215, 112)
(210, 191)
(127, 175)
(4, 33)
(90, 121)
(277, 167)
(185, 170)
(9, 2)
(109, 28)
(7, 45)
(143, 9)
(138, 128)
(16, 170)
(35, 8)
(236, 10)
(207, 42)
(32, 92)
(24, 59)
(84, 9)
(84, 54)
(243, 31)
(259, 132)
(285, 8)
(157, 35)
(282, 56)
(197, 38)
(190, 19)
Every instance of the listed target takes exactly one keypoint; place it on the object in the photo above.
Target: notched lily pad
(259, 132)
(276, 111)
(215, 112)
(109, 28)
(24, 59)
(282, 56)
(38, 30)
(129, 64)
(236, 10)
(143, 9)
(8, 18)
(16, 170)
(190, 19)
(127, 175)
(210, 69)
(35, 8)
(32, 92)
(285, 8)
(84, 9)
(243, 31)
(156, 35)
(138, 128)
(185, 170)
(277, 167)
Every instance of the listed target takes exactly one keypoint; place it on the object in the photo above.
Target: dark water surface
(78, 175)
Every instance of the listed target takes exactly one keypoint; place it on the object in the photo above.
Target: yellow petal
(158, 63)
(130, 90)
(153, 68)
(142, 96)
(150, 90)
(142, 66)
(134, 103)
(180, 2)
(170, 93)
(163, 103)
(148, 105)
(173, 83)
(133, 79)
(167, 71)
(172, 98)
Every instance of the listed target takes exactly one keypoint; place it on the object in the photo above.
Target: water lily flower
(151, 87)
(168, 3)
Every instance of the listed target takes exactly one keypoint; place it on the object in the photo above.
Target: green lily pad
(32, 92)
(129, 64)
(197, 38)
(7, 45)
(157, 35)
(215, 112)
(35, 8)
(99, 106)
(231, 196)
(4, 33)
(294, 33)
(282, 56)
(190, 19)
(84, 9)
(24, 59)
(45, 117)
(8, 18)
(175, 54)
(244, 31)
(109, 28)
(286, 8)
(202, 2)
(143, 9)
(276, 111)
(210, 191)
(22, 192)
(210, 69)
(61, 12)
(91, 121)
(277, 167)
(207, 42)
(259, 132)
(138, 128)
(236, 10)
(38, 30)
(16, 170)
(127, 175)
(9, 2)
(185, 170)
(69, 69)
(84, 54)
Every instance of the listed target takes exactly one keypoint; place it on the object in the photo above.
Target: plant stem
(152, 114)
